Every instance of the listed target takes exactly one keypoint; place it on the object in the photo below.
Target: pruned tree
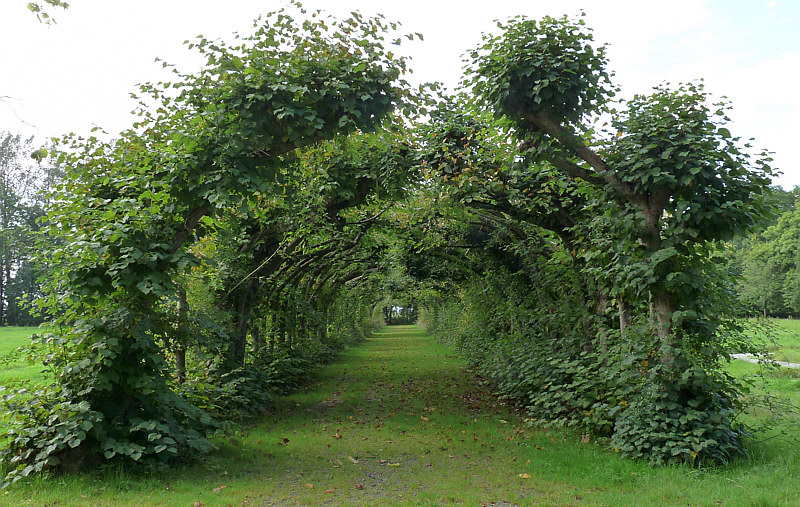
(675, 172)
(130, 208)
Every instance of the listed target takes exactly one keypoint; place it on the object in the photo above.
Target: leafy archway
(258, 213)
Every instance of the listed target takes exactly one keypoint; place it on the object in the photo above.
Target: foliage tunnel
(261, 214)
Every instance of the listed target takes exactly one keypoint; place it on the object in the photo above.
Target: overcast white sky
(79, 72)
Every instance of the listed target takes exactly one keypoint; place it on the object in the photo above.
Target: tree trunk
(664, 307)
(238, 348)
(180, 347)
(5, 284)
(624, 316)
(2, 299)
(325, 321)
(291, 327)
(257, 341)
(282, 329)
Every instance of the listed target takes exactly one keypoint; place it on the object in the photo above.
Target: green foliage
(261, 213)
(286, 372)
(684, 419)
(22, 183)
(558, 363)
(547, 65)
(567, 368)
(41, 10)
(208, 152)
(768, 263)
(652, 200)
(230, 395)
(674, 140)
(109, 402)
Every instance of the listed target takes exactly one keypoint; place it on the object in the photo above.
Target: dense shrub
(568, 366)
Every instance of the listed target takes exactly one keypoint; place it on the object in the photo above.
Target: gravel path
(753, 359)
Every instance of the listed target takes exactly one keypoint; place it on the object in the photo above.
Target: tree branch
(188, 226)
(602, 174)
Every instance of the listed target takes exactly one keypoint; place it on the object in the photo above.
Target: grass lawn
(13, 368)
(787, 337)
(401, 420)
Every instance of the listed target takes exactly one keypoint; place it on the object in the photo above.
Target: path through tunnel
(298, 194)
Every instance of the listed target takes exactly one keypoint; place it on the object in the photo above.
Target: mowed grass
(401, 420)
(13, 367)
(787, 338)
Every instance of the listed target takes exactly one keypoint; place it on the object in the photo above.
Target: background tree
(768, 263)
(22, 203)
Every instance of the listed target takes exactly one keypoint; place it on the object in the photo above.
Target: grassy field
(402, 420)
(13, 368)
(787, 337)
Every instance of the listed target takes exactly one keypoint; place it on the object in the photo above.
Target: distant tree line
(22, 203)
(769, 261)
(400, 315)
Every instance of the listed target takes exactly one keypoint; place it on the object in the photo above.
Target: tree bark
(282, 328)
(624, 315)
(238, 348)
(664, 307)
(180, 347)
(257, 338)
